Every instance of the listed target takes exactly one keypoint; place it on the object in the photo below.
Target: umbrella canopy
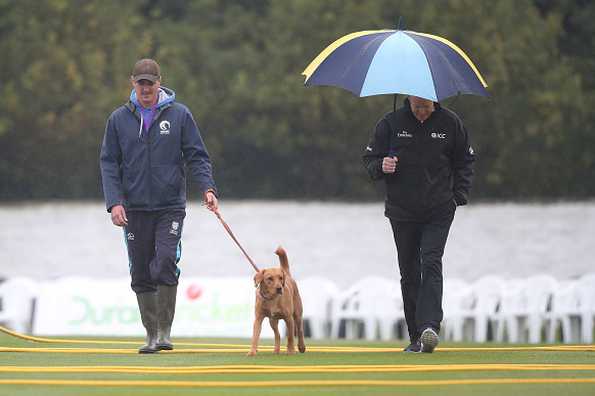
(377, 62)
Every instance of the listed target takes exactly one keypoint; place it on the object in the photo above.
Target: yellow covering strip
(337, 43)
(296, 383)
(457, 49)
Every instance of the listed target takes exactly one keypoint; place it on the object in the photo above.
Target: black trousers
(154, 247)
(420, 246)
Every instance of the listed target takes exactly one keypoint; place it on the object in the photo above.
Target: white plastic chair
(457, 301)
(512, 307)
(586, 296)
(539, 293)
(486, 294)
(565, 312)
(17, 302)
(375, 302)
(525, 308)
(317, 294)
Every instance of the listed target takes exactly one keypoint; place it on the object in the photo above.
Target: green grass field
(114, 369)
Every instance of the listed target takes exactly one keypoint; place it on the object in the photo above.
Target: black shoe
(429, 340)
(414, 347)
(165, 346)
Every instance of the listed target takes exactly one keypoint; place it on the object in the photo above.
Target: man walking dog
(149, 143)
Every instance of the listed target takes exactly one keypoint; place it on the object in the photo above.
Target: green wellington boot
(166, 301)
(147, 304)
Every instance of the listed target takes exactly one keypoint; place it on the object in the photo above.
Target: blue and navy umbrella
(380, 62)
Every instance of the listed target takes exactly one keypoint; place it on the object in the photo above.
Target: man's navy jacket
(147, 171)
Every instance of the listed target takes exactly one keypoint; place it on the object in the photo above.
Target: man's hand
(211, 202)
(119, 216)
(389, 164)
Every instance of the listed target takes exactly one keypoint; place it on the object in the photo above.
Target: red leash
(235, 240)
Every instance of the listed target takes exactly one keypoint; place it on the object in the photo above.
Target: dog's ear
(258, 278)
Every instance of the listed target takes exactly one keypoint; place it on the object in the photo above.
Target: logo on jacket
(164, 127)
(174, 228)
(405, 134)
(130, 236)
(438, 135)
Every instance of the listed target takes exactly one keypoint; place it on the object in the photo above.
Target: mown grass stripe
(250, 369)
(311, 349)
(318, 348)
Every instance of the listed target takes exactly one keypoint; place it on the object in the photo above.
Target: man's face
(421, 108)
(146, 92)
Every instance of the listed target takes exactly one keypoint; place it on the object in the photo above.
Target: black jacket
(435, 162)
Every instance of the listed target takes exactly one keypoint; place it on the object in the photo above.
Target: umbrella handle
(392, 151)
(399, 23)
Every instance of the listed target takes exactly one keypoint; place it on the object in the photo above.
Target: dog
(277, 297)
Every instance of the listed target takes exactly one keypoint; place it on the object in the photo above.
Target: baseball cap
(146, 69)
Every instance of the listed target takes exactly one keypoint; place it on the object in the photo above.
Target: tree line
(237, 65)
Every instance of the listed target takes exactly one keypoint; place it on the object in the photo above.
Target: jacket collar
(167, 97)
(407, 108)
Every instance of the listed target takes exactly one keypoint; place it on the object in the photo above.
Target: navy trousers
(154, 247)
(420, 246)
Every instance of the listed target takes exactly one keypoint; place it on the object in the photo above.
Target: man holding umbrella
(422, 152)
(149, 142)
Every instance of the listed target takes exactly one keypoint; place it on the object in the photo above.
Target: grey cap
(146, 69)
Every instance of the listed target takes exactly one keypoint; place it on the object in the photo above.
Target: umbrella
(377, 62)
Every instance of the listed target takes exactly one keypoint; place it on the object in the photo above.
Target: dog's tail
(283, 259)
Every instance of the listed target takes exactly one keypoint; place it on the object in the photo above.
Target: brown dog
(277, 297)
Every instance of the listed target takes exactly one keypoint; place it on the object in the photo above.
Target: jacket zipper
(149, 171)
(149, 146)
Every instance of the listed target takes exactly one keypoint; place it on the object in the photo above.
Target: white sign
(206, 307)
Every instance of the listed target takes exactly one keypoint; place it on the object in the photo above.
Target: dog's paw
(251, 353)
(277, 351)
(302, 348)
(291, 351)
